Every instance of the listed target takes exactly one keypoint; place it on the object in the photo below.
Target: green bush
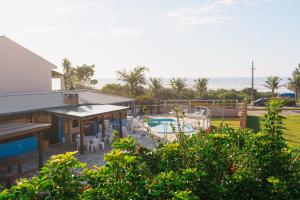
(289, 101)
(226, 164)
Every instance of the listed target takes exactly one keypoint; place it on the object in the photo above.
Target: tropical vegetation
(294, 82)
(178, 86)
(79, 77)
(201, 87)
(134, 79)
(135, 84)
(156, 86)
(227, 163)
(273, 83)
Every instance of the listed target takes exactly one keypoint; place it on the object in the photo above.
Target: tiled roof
(87, 110)
(26, 102)
(17, 103)
(93, 97)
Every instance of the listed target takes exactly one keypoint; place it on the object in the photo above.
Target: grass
(233, 122)
(292, 124)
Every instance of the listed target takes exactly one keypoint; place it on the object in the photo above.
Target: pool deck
(30, 160)
(168, 137)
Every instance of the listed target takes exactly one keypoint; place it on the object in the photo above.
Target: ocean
(237, 83)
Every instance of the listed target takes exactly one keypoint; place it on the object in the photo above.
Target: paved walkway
(30, 160)
(284, 112)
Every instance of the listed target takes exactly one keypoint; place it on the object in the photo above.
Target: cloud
(60, 11)
(96, 34)
(125, 32)
(42, 29)
(242, 2)
(210, 13)
(227, 2)
(61, 7)
(191, 17)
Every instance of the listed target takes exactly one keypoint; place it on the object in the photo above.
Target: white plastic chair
(99, 135)
(101, 143)
(94, 146)
(109, 136)
(86, 143)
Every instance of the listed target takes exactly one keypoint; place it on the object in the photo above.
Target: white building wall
(21, 70)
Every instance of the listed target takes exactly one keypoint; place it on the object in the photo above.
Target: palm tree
(201, 86)
(296, 79)
(135, 79)
(296, 72)
(155, 85)
(294, 85)
(273, 83)
(178, 85)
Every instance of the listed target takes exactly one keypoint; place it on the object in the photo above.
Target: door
(95, 127)
(61, 129)
(57, 134)
(53, 133)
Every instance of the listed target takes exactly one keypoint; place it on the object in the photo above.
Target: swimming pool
(163, 125)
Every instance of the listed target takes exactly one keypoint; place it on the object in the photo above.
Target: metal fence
(218, 108)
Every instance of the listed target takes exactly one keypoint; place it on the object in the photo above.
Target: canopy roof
(11, 130)
(87, 110)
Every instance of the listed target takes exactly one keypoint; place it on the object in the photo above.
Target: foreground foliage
(226, 164)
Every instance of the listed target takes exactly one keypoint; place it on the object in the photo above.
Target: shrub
(226, 164)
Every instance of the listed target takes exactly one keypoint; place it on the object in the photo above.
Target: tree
(273, 83)
(155, 86)
(178, 85)
(294, 82)
(135, 79)
(201, 87)
(79, 77)
(70, 78)
(247, 92)
(297, 70)
(84, 75)
(294, 85)
(115, 89)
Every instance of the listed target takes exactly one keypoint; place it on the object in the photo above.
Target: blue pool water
(163, 125)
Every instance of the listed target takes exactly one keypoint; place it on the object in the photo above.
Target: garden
(228, 163)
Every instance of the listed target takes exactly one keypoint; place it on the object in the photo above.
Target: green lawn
(233, 122)
(292, 124)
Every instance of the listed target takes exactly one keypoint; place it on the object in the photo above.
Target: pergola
(12, 131)
(85, 112)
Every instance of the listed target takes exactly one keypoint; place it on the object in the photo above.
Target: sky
(173, 38)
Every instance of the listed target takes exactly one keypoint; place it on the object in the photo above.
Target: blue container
(18, 147)
(287, 95)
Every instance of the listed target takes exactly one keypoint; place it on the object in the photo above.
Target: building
(31, 113)
(22, 70)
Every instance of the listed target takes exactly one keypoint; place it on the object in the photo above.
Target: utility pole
(252, 84)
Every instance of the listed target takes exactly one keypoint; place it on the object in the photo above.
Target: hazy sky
(191, 38)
